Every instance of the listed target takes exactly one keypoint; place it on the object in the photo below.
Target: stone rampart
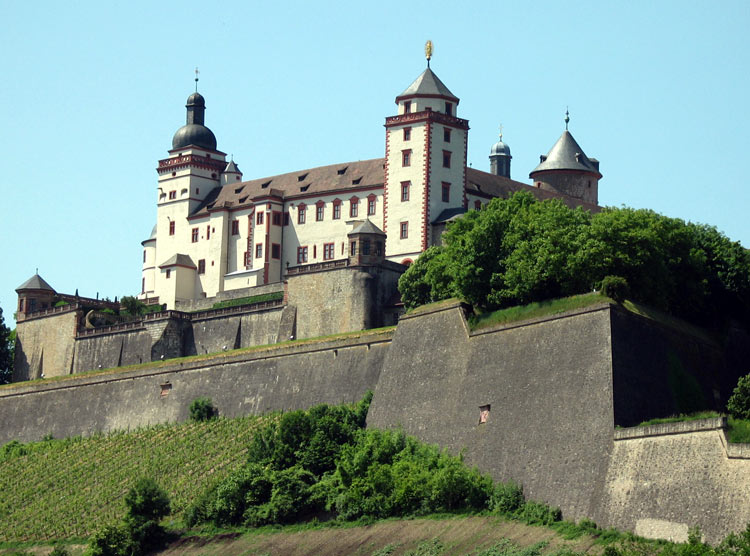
(45, 345)
(282, 377)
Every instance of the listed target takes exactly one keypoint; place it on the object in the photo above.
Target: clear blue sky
(92, 92)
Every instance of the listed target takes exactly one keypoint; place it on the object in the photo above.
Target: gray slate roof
(36, 282)
(566, 154)
(449, 215)
(179, 260)
(231, 167)
(367, 227)
(427, 84)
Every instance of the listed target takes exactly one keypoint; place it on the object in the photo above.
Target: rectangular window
(169, 273)
(319, 209)
(371, 206)
(353, 248)
(302, 254)
(446, 159)
(258, 250)
(407, 133)
(202, 266)
(286, 219)
(446, 192)
(404, 230)
(477, 205)
(406, 157)
(194, 235)
(248, 259)
(336, 211)
(407, 107)
(208, 232)
(315, 251)
(353, 208)
(301, 214)
(235, 227)
(405, 190)
(171, 228)
(144, 255)
(328, 251)
(447, 134)
(449, 108)
(259, 218)
(276, 218)
(143, 285)
(275, 251)
(173, 194)
(365, 246)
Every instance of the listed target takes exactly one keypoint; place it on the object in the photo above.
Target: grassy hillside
(63, 489)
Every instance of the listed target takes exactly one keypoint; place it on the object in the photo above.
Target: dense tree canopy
(7, 341)
(519, 250)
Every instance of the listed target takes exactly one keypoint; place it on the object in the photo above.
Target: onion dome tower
(566, 169)
(500, 158)
(194, 132)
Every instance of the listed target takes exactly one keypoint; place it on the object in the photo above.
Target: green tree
(133, 305)
(7, 347)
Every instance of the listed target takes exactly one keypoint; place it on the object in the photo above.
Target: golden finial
(428, 52)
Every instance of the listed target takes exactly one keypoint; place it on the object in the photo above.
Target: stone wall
(253, 382)
(45, 345)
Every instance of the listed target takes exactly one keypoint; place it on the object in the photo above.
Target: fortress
(235, 264)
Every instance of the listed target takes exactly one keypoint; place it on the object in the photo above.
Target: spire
(567, 118)
(428, 51)
(196, 78)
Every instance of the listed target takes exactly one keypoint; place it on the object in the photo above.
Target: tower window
(446, 192)
(371, 203)
(258, 250)
(275, 251)
(144, 255)
(172, 194)
(235, 227)
(407, 107)
(171, 228)
(194, 235)
(405, 190)
(353, 249)
(302, 254)
(259, 218)
(208, 232)
(169, 273)
(449, 108)
(202, 266)
(353, 207)
(404, 230)
(407, 133)
(365, 246)
(328, 251)
(446, 159)
(276, 218)
(301, 214)
(447, 134)
(406, 157)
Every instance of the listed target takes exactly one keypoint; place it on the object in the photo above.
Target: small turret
(500, 158)
(35, 294)
(231, 174)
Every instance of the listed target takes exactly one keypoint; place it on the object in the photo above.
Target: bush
(536, 513)
(739, 403)
(112, 540)
(59, 551)
(202, 409)
(615, 287)
(507, 498)
(146, 501)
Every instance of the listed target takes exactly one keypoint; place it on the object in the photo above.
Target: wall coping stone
(665, 429)
(600, 306)
(433, 308)
(365, 338)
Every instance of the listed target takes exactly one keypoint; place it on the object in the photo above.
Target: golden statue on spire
(428, 52)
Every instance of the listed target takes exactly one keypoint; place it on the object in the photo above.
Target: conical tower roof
(36, 282)
(566, 154)
(427, 84)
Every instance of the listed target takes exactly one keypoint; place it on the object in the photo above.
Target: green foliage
(507, 498)
(536, 513)
(59, 551)
(615, 287)
(739, 402)
(13, 449)
(61, 303)
(507, 547)
(110, 540)
(739, 430)
(146, 501)
(535, 309)
(432, 547)
(274, 296)
(520, 250)
(132, 305)
(202, 409)
(7, 345)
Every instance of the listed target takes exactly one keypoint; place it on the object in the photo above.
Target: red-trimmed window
(446, 159)
(172, 195)
(208, 231)
(258, 250)
(276, 218)
(353, 248)
(407, 134)
(235, 227)
(405, 186)
(301, 210)
(449, 108)
(302, 254)
(404, 230)
(259, 218)
(353, 207)
(275, 251)
(248, 259)
(337, 209)
(407, 107)
(315, 251)
(202, 266)
(446, 192)
(320, 208)
(371, 204)
(328, 251)
(286, 219)
(169, 273)
(406, 157)
(477, 204)
(171, 228)
(194, 235)
(447, 134)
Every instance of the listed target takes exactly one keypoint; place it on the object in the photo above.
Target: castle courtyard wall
(45, 345)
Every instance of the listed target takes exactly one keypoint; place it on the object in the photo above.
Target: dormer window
(407, 107)
(449, 108)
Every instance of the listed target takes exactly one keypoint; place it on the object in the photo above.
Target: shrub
(536, 513)
(146, 501)
(59, 551)
(616, 288)
(202, 409)
(739, 402)
(507, 498)
(112, 540)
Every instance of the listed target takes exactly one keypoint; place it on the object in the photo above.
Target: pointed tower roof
(36, 282)
(232, 168)
(566, 154)
(367, 227)
(427, 84)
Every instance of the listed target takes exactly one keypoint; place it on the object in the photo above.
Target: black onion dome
(196, 99)
(194, 132)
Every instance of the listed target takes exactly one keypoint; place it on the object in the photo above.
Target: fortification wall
(253, 382)
(218, 333)
(664, 479)
(112, 350)
(45, 345)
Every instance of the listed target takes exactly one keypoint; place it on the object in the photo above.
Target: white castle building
(216, 232)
